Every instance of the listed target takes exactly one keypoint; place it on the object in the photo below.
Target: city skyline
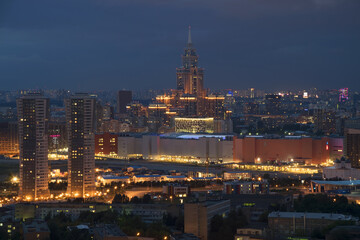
(179, 120)
(246, 44)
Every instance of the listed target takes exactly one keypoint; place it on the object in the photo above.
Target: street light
(14, 180)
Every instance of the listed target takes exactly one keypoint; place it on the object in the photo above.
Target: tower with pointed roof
(190, 78)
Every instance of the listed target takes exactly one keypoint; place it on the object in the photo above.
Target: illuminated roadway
(162, 166)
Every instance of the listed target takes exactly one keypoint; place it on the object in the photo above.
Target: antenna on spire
(189, 37)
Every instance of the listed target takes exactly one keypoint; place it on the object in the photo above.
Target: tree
(120, 198)
(225, 228)
(147, 199)
(135, 200)
(216, 223)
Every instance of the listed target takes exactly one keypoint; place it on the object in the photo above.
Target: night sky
(137, 44)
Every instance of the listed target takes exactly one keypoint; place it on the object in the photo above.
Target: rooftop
(181, 176)
(107, 230)
(328, 216)
(35, 226)
(108, 177)
(146, 176)
(338, 183)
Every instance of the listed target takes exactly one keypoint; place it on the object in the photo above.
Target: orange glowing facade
(33, 121)
(81, 122)
(302, 149)
(9, 139)
(106, 144)
(190, 99)
(190, 78)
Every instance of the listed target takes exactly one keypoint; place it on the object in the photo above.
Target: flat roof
(146, 176)
(194, 136)
(328, 216)
(35, 226)
(114, 177)
(203, 178)
(197, 136)
(338, 183)
(179, 176)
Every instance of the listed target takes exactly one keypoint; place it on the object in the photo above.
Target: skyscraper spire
(189, 37)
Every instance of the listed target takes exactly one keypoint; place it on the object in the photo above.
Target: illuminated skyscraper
(190, 99)
(81, 123)
(190, 76)
(33, 116)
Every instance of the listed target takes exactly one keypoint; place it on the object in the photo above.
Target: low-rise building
(184, 236)
(300, 223)
(147, 178)
(108, 232)
(106, 144)
(148, 212)
(237, 175)
(10, 228)
(35, 230)
(246, 187)
(176, 190)
(108, 179)
(341, 170)
(174, 178)
(334, 187)
(254, 205)
(251, 233)
(197, 216)
(25, 211)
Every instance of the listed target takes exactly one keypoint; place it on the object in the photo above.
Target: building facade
(190, 76)
(9, 139)
(299, 223)
(33, 116)
(352, 146)
(106, 144)
(124, 98)
(197, 216)
(80, 118)
(222, 148)
(246, 187)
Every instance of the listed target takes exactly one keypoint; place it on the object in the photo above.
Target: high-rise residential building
(190, 76)
(352, 146)
(124, 98)
(33, 116)
(81, 123)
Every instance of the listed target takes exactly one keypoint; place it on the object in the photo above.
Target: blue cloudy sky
(137, 44)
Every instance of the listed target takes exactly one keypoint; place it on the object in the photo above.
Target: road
(162, 166)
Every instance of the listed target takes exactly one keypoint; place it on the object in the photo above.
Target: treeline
(129, 224)
(225, 227)
(326, 204)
